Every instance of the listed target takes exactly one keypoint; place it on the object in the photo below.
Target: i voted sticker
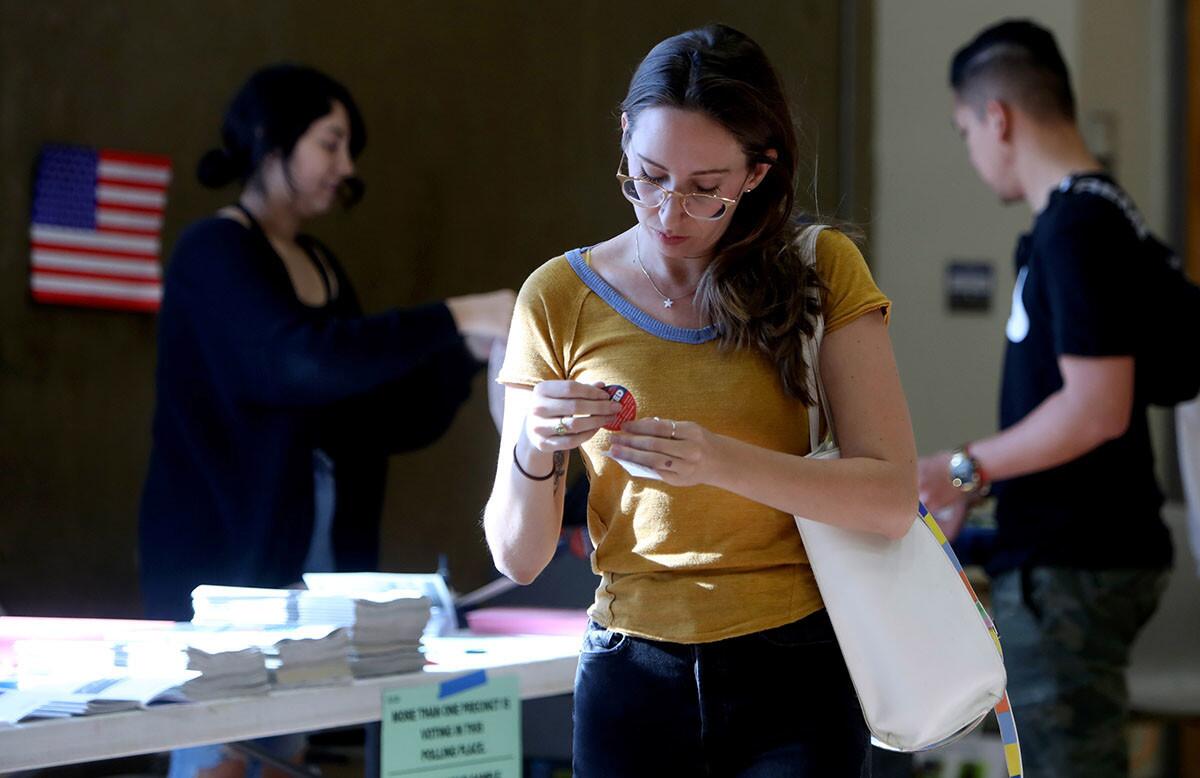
(628, 406)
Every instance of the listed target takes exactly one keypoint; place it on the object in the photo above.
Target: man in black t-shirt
(1081, 550)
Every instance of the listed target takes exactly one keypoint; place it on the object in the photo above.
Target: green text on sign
(467, 727)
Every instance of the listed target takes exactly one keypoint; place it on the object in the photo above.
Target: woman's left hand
(682, 452)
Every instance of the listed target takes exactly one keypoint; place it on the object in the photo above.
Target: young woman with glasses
(708, 651)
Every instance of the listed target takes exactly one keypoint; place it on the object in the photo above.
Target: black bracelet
(517, 462)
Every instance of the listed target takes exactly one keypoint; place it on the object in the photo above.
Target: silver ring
(673, 430)
(561, 428)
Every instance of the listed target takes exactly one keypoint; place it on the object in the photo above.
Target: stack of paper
(384, 629)
(314, 661)
(106, 695)
(289, 656)
(380, 587)
(86, 677)
(238, 673)
(17, 704)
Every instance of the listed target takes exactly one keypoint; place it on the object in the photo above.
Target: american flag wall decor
(96, 225)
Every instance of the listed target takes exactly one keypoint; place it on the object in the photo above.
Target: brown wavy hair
(761, 290)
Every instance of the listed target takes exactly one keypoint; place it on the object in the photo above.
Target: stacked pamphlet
(384, 629)
(381, 587)
(85, 677)
(215, 676)
(17, 704)
(230, 673)
(387, 641)
(242, 641)
(288, 656)
(299, 662)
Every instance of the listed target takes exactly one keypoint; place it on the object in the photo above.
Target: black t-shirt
(1076, 294)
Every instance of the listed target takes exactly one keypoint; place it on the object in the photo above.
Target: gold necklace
(667, 301)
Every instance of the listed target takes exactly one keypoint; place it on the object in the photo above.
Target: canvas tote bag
(922, 652)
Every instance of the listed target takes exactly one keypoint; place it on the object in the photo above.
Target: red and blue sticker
(628, 406)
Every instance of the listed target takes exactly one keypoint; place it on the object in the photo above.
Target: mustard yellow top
(682, 564)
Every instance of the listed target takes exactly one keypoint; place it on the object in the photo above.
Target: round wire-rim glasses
(645, 193)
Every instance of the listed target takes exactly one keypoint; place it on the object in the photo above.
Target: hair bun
(216, 169)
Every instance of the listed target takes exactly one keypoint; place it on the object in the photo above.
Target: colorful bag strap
(1003, 710)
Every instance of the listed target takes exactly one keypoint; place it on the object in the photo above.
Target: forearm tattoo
(560, 467)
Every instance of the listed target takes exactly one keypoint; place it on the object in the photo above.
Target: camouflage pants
(1066, 635)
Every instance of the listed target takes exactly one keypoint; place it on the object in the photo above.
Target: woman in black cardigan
(278, 401)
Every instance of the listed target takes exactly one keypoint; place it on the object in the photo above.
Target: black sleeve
(408, 414)
(1091, 267)
(273, 349)
(428, 402)
(402, 415)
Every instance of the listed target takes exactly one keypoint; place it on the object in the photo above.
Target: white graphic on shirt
(1018, 320)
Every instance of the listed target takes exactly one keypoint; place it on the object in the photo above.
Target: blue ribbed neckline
(630, 312)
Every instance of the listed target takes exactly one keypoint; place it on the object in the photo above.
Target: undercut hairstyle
(1016, 62)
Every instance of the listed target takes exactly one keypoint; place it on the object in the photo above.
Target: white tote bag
(921, 651)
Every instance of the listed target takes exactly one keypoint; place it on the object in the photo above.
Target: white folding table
(544, 666)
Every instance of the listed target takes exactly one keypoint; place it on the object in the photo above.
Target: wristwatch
(966, 474)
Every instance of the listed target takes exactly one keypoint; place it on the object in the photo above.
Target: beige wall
(929, 206)
(1124, 61)
(1124, 56)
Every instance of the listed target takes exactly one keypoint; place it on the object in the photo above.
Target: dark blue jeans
(773, 703)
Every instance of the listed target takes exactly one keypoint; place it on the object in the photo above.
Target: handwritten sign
(466, 727)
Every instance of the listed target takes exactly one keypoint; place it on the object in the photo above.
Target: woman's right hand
(580, 409)
(488, 315)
